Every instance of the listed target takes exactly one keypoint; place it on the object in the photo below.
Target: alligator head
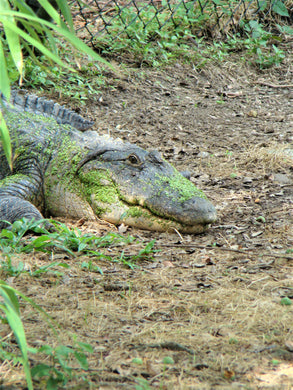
(124, 183)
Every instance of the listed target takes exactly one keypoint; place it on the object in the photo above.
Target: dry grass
(270, 157)
(211, 302)
(215, 321)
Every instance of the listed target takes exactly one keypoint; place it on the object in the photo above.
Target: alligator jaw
(142, 218)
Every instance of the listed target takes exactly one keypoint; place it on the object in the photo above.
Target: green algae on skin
(98, 184)
(185, 188)
(27, 120)
(115, 192)
(139, 211)
(12, 179)
(135, 212)
(69, 154)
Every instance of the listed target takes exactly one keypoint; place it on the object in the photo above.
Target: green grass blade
(14, 47)
(70, 37)
(5, 138)
(4, 79)
(48, 318)
(11, 38)
(11, 309)
(50, 10)
(37, 44)
(81, 46)
(65, 10)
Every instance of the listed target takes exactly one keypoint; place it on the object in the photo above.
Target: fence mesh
(210, 18)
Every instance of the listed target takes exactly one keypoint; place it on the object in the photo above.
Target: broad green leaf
(86, 347)
(41, 241)
(82, 360)
(63, 351)
(262, 5)
(286, 301)
(52, 383)
(168, 360)
(41, 370)
(280, 8)
(285, 29)
(47, 350)
(137, 361)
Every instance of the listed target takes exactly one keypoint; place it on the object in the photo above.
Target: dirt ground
(206, 313)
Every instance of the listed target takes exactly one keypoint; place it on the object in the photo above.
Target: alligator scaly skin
(61, 171)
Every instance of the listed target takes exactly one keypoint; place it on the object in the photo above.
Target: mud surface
(209, 303)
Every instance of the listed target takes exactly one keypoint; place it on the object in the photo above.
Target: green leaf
(262, 5)
(63, 351)
(82, 360)
(4, 79)
(10, 298)
(52, 383)
(285, 29)
(280, 8)
(11, 38)
(70, 37)
(138, 361)
(275, 362)
(37, 44)
(168, 360)
(86, 347)
(11, 309)
(41, 370)
(41, 241)
(50, 10)
(47, 350)
(5, 138)
(65, 10)
(286, 301)
(7, 234)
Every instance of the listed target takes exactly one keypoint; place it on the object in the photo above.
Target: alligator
(62, 168)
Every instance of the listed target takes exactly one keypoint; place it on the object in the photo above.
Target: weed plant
(154, 39)
(17, 239)
(63, 363)
(57, 370)
(78, 86)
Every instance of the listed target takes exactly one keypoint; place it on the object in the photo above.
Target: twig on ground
(221, 248)
(273, 85)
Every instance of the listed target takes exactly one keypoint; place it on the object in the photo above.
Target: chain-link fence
(210, 18)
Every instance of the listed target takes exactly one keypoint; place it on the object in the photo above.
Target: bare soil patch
(210, 302)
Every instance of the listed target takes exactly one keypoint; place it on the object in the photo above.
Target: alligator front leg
(18, 194)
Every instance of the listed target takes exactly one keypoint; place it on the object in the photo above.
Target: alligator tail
(23, 101)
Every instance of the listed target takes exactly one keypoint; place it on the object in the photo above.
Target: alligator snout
(195, 211)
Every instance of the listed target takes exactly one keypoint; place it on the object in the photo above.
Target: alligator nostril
(197, 210)
(155, 157)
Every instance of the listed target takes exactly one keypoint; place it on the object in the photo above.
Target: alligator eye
(133, 159)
